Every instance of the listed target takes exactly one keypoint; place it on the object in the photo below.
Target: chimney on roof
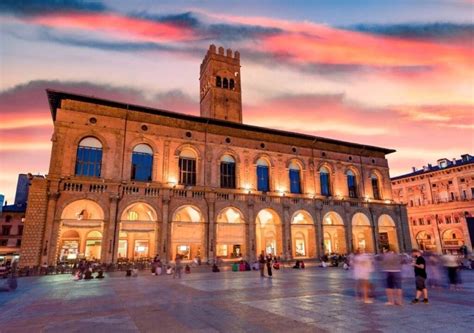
(430, 166)
(414, 169)
(454, 161)
(466, 157)
(425, 168)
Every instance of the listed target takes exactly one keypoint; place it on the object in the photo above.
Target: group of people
(426, 270)
(84, 271)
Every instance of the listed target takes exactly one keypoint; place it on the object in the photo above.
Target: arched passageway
(303, 235)
(334, 233)
(269, 233)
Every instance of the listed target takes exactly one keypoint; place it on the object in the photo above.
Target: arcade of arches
(82, 232)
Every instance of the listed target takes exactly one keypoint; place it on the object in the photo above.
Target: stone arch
(328, 165)
(303, 235)
(91, 133)
(231, 152)
(142, 139)
(266, 157)
(388, 236)
(362, 233)
(269, 232)
(188, 233)
(333, 225)
(231, 242)
(190, 146)
(97, 199)
(452, 239)
(144, 210)
(425, 240)
(296, 160)
(78, 219)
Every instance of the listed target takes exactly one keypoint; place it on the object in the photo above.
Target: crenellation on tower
(220, 85)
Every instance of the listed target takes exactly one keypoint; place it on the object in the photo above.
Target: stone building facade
(126, 181)
(12, 219)
(440, 203)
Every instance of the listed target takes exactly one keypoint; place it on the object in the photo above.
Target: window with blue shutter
(89, 158)
(295, 185)
(262, 178)
(324, 179)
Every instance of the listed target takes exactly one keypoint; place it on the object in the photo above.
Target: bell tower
(220, 88)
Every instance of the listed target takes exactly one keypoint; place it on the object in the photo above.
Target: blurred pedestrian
(420, 277)
(261, 263)
(450, 261)
(269, 265)
(177, 266)
(392, 266)
(363, 268)
(433, 263)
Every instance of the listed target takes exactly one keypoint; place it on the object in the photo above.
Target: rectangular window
(187, 171)
(324, 178)
(421, 221)
(452, 196)
(142, 165)
(18, 243)
(448, 219)
(6, 230)
(472, 192)
(88, 161)
(20, 230)
(263, 183)
(464, 194)
(351, 184)
(3, 242)
(227, 175)
(375, 188)
(295, 186)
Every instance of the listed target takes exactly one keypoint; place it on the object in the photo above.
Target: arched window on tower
(231, 84)
(263, 181)
(225, 83)
(218, 81)
(295, 178)
(89, 157)
(227, 172)
(351, 184)
(324, 179)
(375, 186)
(187, 168)
(142, 163)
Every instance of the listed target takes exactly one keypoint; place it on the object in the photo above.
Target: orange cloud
(139, 29)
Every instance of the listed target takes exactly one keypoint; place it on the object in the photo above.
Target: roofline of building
(55, 97)
(424, 172)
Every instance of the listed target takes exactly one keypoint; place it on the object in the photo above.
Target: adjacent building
(440, 201)
(128, 182)
(12, 218)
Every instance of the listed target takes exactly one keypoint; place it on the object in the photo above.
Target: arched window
(218, 81)
(351, 184)
(295, 180)
(187, 167)
(263, 181)
(324, 179)
(227, 172)
(142, 162)
(231, 84)
(375, 186)
(225, 83)
(89, 157)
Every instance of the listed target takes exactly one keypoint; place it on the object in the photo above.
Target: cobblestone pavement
(311, 300)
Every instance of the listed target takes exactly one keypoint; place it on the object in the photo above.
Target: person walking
(363, 268)
(261, 264)
(451, 263)
(420, 277)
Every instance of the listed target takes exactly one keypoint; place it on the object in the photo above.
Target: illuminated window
(324, 179)
(222, 250)
(132, 215)
(142, 163)
(89, 158)
(187, 168)
(351, 184)
(375, 187)
(227, 172)
(184, 251)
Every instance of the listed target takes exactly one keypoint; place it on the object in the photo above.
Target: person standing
(392, 266)
(420, 277)
(452, 267)
(261, 264)
(269, 265)
(177, 266)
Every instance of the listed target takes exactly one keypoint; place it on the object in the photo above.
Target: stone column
(319, 228)
(112, 231)
(286, 231)
(375, 229)
(348, 226)
(165, 248)
(251, 246)
(403, 230)
(211, 240)
(48, 253)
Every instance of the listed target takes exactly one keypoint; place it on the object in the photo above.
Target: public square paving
(310, 300)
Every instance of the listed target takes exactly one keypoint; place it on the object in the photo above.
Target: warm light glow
(387, 201)
(172, 181)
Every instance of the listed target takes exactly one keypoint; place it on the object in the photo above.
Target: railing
(200, 193)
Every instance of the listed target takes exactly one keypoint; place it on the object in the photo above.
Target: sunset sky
(396, 74)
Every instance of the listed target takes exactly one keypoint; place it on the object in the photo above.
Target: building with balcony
(12, 219)
(127, 181)
(440, 201)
